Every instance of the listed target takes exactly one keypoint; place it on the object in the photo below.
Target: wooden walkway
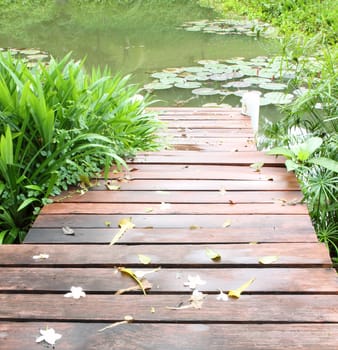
(188, 204)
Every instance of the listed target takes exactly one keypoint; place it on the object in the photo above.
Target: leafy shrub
(58, 124)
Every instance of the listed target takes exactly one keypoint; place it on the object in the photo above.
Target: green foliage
(58, 123)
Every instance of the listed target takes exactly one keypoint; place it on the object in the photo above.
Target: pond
(143, 37)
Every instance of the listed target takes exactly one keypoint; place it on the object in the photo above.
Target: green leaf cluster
(58, 123)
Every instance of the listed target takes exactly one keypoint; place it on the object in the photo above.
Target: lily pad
(278, 98)
(205, 92)
(163, 75)
(188, 85)
(206, 62)
(157, 86)
(273, 86)
(256, 80)
(237, 84)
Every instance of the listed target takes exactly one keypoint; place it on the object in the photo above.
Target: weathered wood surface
(199, 193)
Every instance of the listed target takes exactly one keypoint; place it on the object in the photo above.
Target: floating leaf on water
(205, 62)
(268, 259)
(256, 80)
(68, 231)
(30, 52)
(157, 86)
(194, 69)
(257, 166)
(276, 98)
(213, 255)
(221, 77)
(205, 92)
(188, 85)
(163, 75)
(171, 81)
(236, 293)
(272, 86)
(237, 84)
(144, 259)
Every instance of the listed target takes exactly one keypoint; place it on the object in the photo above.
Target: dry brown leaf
(213, 255)
(146, 285)
(127, 319)
(131, 274)
(194, 227)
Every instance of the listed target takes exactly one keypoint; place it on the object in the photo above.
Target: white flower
(165, 206)
(221, 296)
(194, 281)
(41, 256)
(49, 336)
(76, 293)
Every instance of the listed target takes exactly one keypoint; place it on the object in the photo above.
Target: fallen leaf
(194, 281)
(145, 283)
(194, 227)
(68, 231)
(112, 186)
(127, 319)
(195, 301)
(49, 336)
(148, 210)
(236, 293)
(152, 310)
(144, 259)
(226, 223)
(253, 243)
(257, 166)
(41, 256)
(211, 254)
(231, 202)
(125, 225)
(107, 223)
(131, 273)
(268, 259)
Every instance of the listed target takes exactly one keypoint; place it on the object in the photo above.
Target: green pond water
(131, 37)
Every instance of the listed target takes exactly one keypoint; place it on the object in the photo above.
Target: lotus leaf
(205, 92)
(237, 84)
(272, 86)
(256, 80)
(163, 75)
(275, 98)
(157, 86)
(188, 85)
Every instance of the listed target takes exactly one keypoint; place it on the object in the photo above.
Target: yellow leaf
(212, 254)
(194, 227)
(236, 293)
(148, 210)
(144, 259)
(226, 223)
(257, 166)
(107, 223)
(131, 273)
(268, 259)
(152, 310)
(111, 186)
(125, 225)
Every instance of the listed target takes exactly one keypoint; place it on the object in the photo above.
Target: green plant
(58, 123)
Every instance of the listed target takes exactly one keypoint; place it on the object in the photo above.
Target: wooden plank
(289, 254)
(169, 236)
(201, 185)
(202, 172)
(208, 133)
(109, 308)
(240, 223)
(108, 280)
(218, 158)
(208, 124)
(254, 197)
(160, 336)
